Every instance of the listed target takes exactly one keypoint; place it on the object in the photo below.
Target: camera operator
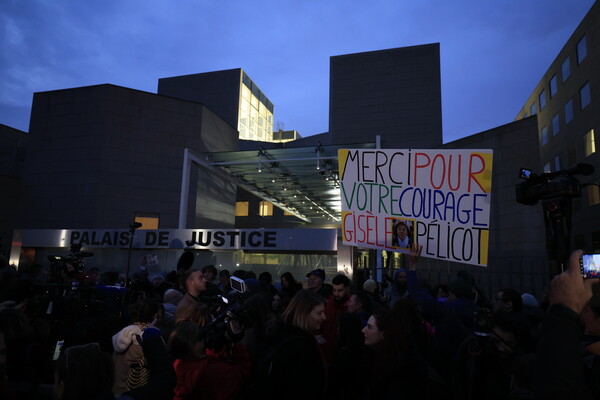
(559, 364)
(205, 372)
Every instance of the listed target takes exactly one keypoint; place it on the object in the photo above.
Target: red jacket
(212, 377)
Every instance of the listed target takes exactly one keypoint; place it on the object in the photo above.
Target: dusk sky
(493, 53)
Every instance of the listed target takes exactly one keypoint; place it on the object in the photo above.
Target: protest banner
(437, 198)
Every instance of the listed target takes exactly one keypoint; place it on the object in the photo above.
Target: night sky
(493, 53)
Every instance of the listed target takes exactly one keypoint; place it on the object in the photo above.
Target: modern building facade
(566, 103)
(232, 95)
(393, 93)
(99, 157)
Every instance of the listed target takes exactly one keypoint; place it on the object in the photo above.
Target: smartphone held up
(590, 266)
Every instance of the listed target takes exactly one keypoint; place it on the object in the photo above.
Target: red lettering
(417, 165)
(443, 176)
(472, 174)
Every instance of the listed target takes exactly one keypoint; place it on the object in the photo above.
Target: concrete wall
(394, 93)
(99, 154)
(219, 91)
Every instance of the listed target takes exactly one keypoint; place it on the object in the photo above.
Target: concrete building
(566, 103)
(101, 156)
(393, 93)
(232, 95)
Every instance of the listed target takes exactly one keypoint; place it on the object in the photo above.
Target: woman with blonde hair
(293, 343)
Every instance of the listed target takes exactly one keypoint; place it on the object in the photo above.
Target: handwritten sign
(437, 198)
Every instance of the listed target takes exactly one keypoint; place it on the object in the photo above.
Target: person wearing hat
(316, 283)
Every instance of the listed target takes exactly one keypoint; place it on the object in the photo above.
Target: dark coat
(297, 369)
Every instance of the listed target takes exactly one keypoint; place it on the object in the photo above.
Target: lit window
(553, 86)
(533, 109)
(148, 220)
(285, 212)
(265, 209)
(542, 98)
(589, 143)
(581, 50)
(555, 124)
(593, 195)
(557, 163)
(584, 95)
(569, 111)
(566, 69)
(241, 208)
(544, 135)
(547, 168)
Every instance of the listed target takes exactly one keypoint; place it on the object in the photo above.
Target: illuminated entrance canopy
(439, 199)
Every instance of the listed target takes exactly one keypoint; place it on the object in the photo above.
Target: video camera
(551, 184)
(238, 309)
(72, 263)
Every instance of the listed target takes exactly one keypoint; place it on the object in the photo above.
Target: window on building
(544, 135)
(547, 168)
(555, 124)
(147, 219)
(566, 69)
(557, 163)
(593, 195)
(553, 86)
(241, 208)
(569, 111)
(589, 143)
(533, 109)
(581, 50)
(287, 213)
(584, 95)
(542, 98)
(265, 209)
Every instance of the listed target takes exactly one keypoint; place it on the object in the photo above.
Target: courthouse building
(201, 158)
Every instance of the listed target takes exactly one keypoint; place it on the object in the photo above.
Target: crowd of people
(194, 335)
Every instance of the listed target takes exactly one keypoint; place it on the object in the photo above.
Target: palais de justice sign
(439, 199)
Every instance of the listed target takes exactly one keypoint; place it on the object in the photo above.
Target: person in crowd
(336, 306)
(401, 235)
(509, 303)
(360, 304)
(590, 343)
(316, 283)
(399, 286)
(394, 366)
(345, 380)
(159, 284)
(195, 284)
(440, 291)
(224, 282)
(378, 299)
(453, 321)
(206, 373)
(265, 281)
(210, 272)
(280, 302)
(293, 343)
(83, 373)
(171, 299)
(559, 368)
(143, 369)
(289, 285)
